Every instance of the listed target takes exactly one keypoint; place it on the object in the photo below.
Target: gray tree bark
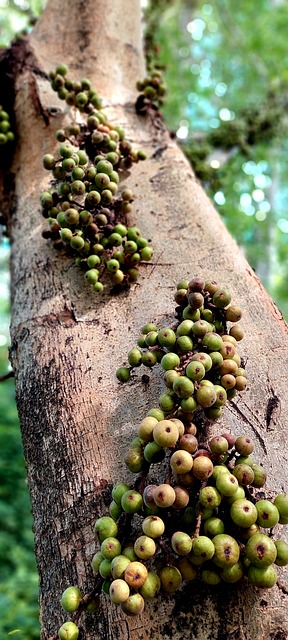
(76, 419)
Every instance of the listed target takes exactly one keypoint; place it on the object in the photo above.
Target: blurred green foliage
(17, 17)
(19, 581)
(226, 68)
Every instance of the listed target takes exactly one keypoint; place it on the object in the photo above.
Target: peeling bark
(76, 420)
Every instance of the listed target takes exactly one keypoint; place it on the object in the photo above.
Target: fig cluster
(206, 521)
(152, 92)
(199, 356)
(84, 210)
(6, 135)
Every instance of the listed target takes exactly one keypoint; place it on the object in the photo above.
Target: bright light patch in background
(3, 340)
(260, 216)
(182, 132)
(215, 164)
(219, 198)
(249, 168)
(283, 225)
(249, 211)
(220, 89)
(226, 115)
(245, 200)
(262, 182)
(258, 195)
(23, 4)
(196, 28)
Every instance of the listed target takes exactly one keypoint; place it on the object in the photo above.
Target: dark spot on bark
(273, 407)
(279, 635)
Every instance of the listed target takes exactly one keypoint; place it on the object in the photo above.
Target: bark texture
(76, 419)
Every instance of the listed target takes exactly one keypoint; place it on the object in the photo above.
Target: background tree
(69, 402)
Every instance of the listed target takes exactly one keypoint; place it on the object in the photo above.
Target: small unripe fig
(153, 526)
(68, 631)
(151, 586)
(227, 550)
(134, 605)
(71, 599)
(264, 578)
(105, 527)
(144, 547)
(166, 433)
(181, 543)
(131, 501)
(261, 550)
(268, 514)
(118, 566)
(170, 579)
(119, 591)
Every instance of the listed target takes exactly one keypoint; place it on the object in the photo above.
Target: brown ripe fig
(227, 350)
(230, 439)
(185, 480)
(196, 284)
(202, 452)
(241, 383)
(233, 313)
(191, 428)
(148, 495)
(202, 468)
(164, 495)
(182, 498)
(237, 332)
(228, 366)
(179, 425)
(228, 381)
(244, 474)
(188, 442)
(195, 300)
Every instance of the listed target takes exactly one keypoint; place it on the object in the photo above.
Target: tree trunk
(76, 419)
